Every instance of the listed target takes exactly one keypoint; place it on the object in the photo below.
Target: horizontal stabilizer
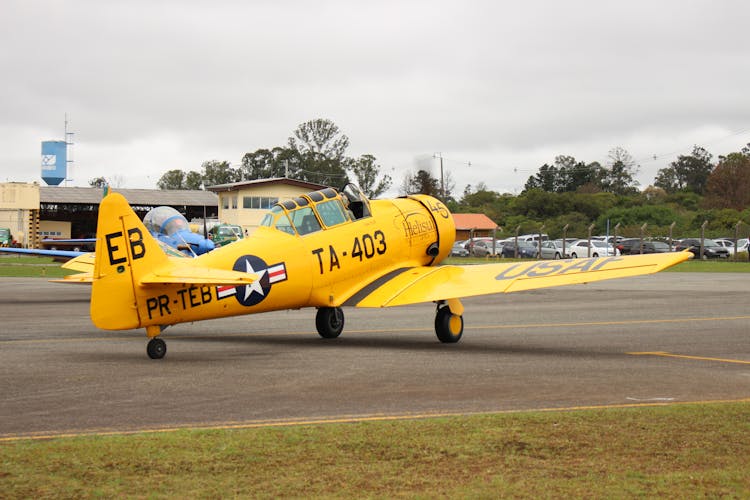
(76, 279)
(83, 263)
(190, 275)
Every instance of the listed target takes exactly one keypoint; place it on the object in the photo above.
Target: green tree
(172, 179)
(688, 172)
(271, 163)
(216, 172)
(728, 186)
(321, 149)
(566, 174)
(367, 175)
(546, 179)
(424, 183)
(193, 180)
(619, 178)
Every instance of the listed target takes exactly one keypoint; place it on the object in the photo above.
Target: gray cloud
(157, 85)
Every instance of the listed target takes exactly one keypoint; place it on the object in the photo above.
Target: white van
(532, 238)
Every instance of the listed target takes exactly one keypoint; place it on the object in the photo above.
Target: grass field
(689, 450)
(678, 451)
(31, 267)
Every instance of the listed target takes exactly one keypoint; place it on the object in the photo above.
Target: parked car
(633, 246)
(711, 249)
(581, 248)
(6, 239)
(526, 249)
(553, 250)
(742, 245)
(484, 247)
(728, 244)
(532, 237)
(459, 249)
(608, 239)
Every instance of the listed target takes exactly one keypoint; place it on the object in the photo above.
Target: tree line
(315, 152)
(691, 191)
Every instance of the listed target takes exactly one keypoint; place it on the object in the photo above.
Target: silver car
(484, 247)
(553, 250)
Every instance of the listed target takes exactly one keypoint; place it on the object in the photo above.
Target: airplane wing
(68, 254)
(426, 284)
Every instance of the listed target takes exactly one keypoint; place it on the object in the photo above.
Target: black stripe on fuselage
(368, 289)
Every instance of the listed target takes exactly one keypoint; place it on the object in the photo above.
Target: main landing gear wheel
(156, 348)
(330, 322)
(448, 326)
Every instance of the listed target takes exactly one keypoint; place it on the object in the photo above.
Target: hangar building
(33, 212)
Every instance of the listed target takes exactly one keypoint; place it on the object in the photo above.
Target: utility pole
(68, 142)
(442, 179)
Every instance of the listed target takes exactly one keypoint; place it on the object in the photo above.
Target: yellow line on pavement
(345, 419)
(685, 356)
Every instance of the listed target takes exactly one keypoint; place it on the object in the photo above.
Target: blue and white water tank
(54, 162)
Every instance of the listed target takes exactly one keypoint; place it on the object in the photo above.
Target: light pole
(442, 180)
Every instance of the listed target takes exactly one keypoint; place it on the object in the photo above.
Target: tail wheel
(156, 348)
(448, 326)
(330, 322)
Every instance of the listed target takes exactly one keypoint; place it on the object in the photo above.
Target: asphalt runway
(553, 348)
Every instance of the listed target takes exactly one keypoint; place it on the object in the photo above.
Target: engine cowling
(429, 226)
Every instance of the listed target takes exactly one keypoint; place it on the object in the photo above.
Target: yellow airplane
(326, 249)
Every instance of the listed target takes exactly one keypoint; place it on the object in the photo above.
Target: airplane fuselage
(323, 268)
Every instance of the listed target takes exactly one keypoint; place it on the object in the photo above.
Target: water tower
(54, 162)
(55, 159)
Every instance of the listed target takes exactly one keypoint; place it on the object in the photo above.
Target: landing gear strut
(449, 326)
(329, 321)
(156, 348)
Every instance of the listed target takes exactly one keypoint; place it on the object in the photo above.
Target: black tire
(595, 255)
(449, 327)
(574, 255)
(329, 322)
(557, 256)
(156, 348)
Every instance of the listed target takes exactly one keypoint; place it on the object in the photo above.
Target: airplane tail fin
(125, 251)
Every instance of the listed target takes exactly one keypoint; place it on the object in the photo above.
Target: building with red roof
(473, 225)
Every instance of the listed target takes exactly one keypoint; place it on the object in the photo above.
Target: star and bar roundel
(254, 293)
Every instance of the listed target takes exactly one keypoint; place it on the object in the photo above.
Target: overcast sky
(152, 85)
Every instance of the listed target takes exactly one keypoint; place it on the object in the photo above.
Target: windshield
(358, 204)
(165, 220)
(278, 219)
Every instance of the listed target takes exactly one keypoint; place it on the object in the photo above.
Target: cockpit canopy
(165, 220)
(318, 210)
